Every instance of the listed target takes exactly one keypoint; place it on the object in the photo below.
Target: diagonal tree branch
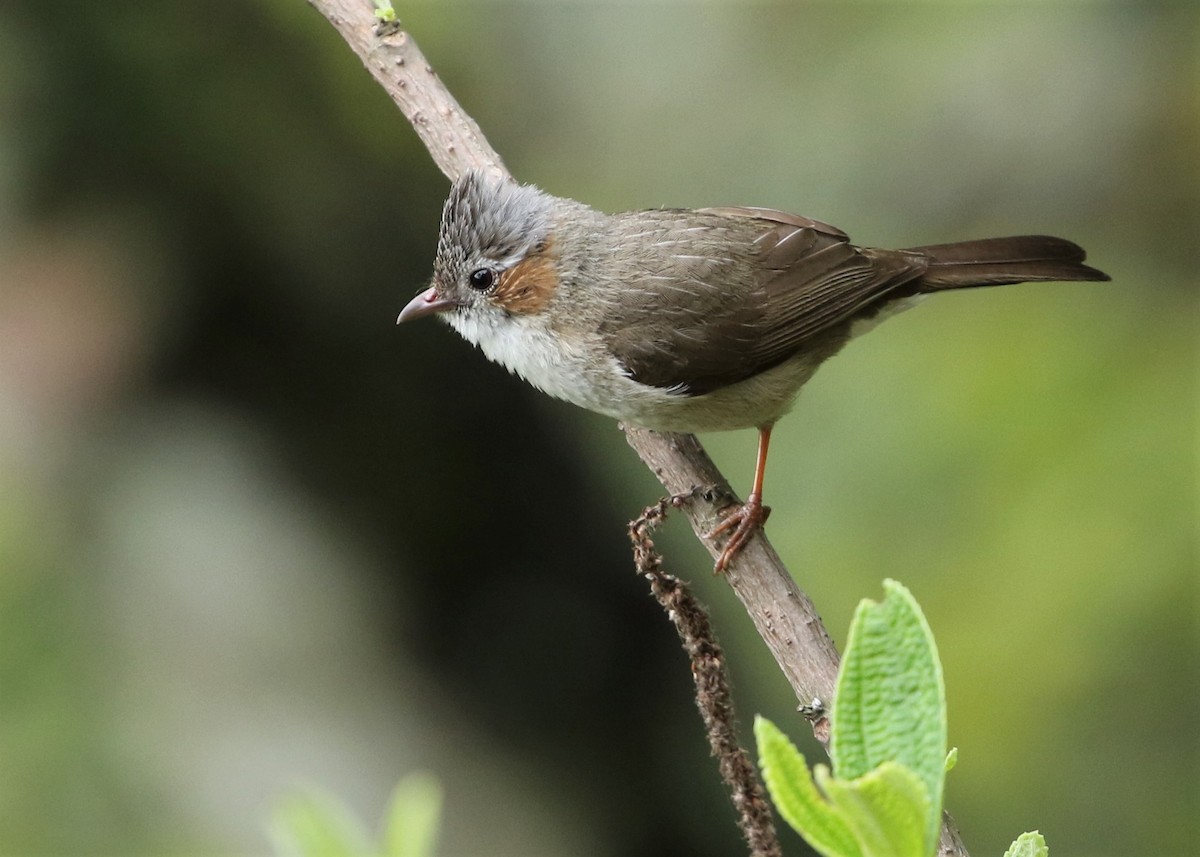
(784, 616)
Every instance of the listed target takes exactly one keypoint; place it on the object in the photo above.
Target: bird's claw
(741, 523)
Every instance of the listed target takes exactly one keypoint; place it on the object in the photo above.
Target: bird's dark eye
(483, 279)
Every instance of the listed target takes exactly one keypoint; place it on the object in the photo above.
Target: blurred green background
(253, 535)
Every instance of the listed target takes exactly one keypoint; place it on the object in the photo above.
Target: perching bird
(686, 320)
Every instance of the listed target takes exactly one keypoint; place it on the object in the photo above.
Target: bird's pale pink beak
(426, 303)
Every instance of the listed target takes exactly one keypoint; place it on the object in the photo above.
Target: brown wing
(731, 292)
(780, 218)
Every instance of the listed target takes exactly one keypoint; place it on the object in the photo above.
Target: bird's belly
(600, 384)
(755, 402)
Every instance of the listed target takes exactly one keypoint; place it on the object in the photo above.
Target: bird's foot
(740, 523)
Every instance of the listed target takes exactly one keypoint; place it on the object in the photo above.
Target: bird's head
(496, 254)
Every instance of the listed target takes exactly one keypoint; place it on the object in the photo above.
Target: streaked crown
(489, 222)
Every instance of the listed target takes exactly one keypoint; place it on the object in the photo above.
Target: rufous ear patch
(527, 286)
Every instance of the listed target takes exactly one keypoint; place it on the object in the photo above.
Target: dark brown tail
(997, 261)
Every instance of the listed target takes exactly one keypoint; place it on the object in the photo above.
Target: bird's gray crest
(493, 219)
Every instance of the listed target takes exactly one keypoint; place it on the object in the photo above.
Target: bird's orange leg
(749, 517)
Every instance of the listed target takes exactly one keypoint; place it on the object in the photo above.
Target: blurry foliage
(251, 533)
(311, 823)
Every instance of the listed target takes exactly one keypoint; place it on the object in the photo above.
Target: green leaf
(1028, 845)
(384, 11)
(796, 797)
(413, 817)
(890, 703)
(887, 809)
(315, 824)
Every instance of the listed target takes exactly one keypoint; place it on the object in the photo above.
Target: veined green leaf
(890, 703)
(886, 809)
(796, 797)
